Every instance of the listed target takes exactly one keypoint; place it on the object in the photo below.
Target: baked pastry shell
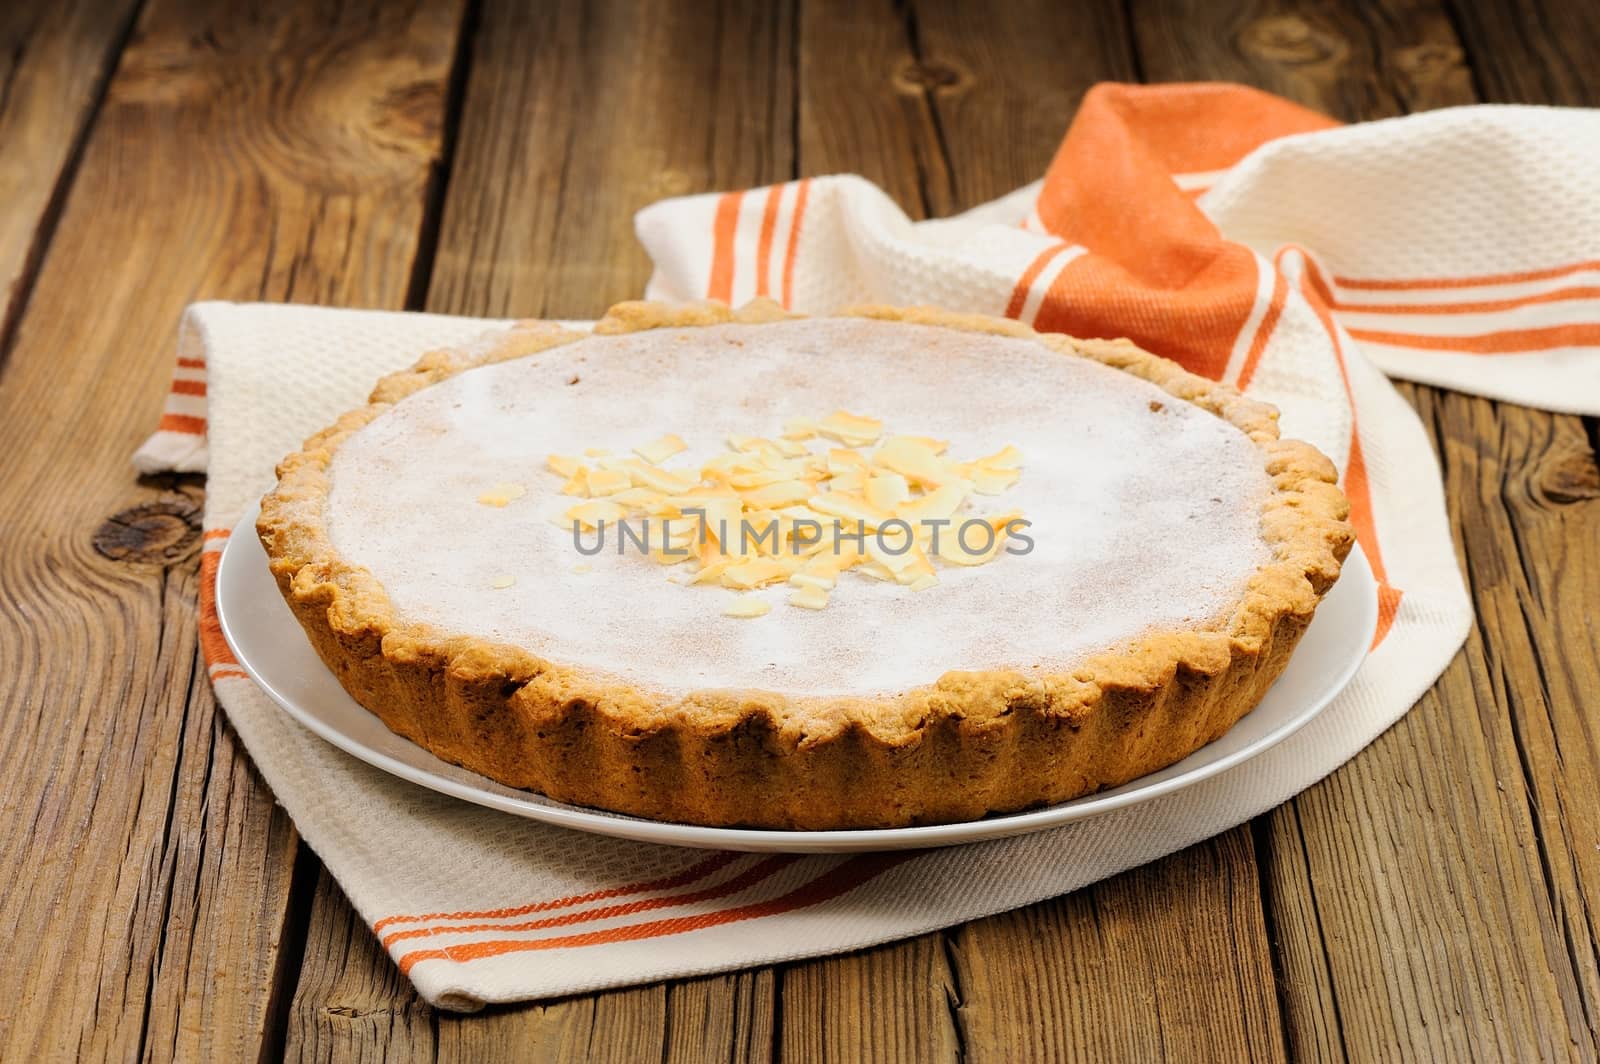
(966, 745)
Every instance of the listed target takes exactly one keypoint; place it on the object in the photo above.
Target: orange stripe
(192, 363)
(1510, 342)
(1195, 321)
(693, 873)
(218, 533)
(194, 426)
(1558, 296)
(182, 387)
(230, 674)
(1356, 486)
(1465, 282)
(1019, 294)
(841, 879)
(723, 231)
(794, 242)
(1269, 322)
(769, 225)
(212, 644)
(748, 878)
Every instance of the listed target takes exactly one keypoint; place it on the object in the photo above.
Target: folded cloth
(1254, 241)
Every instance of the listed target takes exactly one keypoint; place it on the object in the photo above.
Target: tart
(1153, 553)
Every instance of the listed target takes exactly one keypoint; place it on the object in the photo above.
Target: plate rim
(671, 833)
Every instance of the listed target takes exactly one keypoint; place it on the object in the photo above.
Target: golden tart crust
(966, 745)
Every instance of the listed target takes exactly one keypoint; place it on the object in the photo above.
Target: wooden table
(1435, 899)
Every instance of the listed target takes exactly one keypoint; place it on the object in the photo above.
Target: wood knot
(410, 114)
(1290, 40)
(928, 75)
(1432, 74)
(1568, 475)
(1431, 61)
(163, 531)
(664, 181)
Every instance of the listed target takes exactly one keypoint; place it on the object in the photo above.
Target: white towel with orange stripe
(1219, 226)
(1252, 240)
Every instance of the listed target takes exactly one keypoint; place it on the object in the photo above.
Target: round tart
(534, 558)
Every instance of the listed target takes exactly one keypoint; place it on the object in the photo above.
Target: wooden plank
(1003, 81)
(868, 108)
(896, 1002)
(1501, 752)
(1396, 886)
(1351, 60)
(232, 158)
(378, 1014)
(726, 1017)
(574, 117)
(1471, 825)
(1535, 51)
(1168, 961)
(55, 60)
(945, 105)
(1539, 489)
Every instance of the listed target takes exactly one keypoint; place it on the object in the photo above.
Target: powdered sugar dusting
(1142, 506)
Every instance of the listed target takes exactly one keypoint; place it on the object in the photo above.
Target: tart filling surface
(1164, 552)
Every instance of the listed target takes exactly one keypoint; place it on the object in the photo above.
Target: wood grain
(1395, 886)
(1537, 484)
(896, 1002)
(1434, 899)
(1535, 51)
(375, 1013)
(1003, 82)
(1546, 56)
(232, 158)
(1469, 827)
(577, 115)
(1349, 59)
(868, 109)
(55, 60)
(1168, 961)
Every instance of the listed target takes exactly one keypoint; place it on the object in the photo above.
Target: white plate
(273, 649)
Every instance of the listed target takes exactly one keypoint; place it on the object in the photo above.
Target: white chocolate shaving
(746, 606)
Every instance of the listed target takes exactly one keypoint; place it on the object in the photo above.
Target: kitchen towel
(1252, 240)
